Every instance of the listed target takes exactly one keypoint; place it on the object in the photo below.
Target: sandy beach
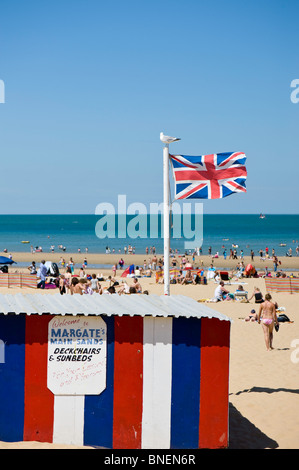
(263, 386)
(287, 263)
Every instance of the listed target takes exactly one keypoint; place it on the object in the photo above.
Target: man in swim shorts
(267, 315)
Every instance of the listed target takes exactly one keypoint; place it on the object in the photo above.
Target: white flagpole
(166, 140)
(166, 219)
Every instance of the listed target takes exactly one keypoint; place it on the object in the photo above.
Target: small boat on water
(25, 241)
(262, 216)
(282, 244)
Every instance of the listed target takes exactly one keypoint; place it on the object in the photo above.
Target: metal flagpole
(166, 219)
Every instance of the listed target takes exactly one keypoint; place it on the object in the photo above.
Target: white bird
(167, 139)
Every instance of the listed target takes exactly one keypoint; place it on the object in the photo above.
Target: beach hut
(120, 372)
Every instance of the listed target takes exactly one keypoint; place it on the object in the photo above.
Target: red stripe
(197, 188)
(128, 371)
(213, 414)
(198, 175)
(232, 157)
(189, 165)
(39, 401)
(215, 189)
(236, 186)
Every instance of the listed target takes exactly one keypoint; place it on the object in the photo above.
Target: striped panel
(12, 333)
(18, 280)
(278, 285)
(185, 391)
(68, 419)
(157, 357)
(128, 371)
(14, 280)
(29, 280)
(213, 421)
(288, 285)
(98, 410)
(38, 419)
(166, 386)
(3, 280)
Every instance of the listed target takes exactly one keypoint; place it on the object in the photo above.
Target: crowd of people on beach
(83, 283)
(185, 273)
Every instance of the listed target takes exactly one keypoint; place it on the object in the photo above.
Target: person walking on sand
(267, 315)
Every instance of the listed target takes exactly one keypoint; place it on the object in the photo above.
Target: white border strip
(157, 365)
(68, 419)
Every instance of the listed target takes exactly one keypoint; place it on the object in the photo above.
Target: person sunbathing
(188, 278)
(124, 288)
(258, 296)
(240, 292)
(180, 277)
(221, 293)
(252, 316)
(137, 285)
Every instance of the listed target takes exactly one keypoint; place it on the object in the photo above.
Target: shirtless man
(267, 314)
(188, 278)
(137, 285)
(76, 286)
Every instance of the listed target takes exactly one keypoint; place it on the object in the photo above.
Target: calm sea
(78, 232)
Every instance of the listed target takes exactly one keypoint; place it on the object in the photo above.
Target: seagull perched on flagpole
(167, 139)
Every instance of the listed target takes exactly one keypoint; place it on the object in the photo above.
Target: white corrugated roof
(154, 305)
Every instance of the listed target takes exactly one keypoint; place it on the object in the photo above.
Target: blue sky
(90, 84)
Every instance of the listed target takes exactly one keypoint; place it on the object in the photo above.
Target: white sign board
(77, 355)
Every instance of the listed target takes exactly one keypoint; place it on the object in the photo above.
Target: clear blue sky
(89, 85)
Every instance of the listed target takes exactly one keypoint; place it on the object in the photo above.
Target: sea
(72, 233)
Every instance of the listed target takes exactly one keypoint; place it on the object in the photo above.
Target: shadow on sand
(244, 435)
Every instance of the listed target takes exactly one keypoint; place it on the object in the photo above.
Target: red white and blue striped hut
(120, 372)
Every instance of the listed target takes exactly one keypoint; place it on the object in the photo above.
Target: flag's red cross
(210, 173)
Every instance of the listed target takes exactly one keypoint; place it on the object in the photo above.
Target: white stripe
(232, 161)
(188, 189)
(234, 189)
(184, 161)
(68, 419)
(157, 365)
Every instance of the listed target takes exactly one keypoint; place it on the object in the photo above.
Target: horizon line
(96, 215)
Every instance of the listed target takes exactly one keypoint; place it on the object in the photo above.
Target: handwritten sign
(77, 355)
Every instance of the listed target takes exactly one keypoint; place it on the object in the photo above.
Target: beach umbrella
(5, 260)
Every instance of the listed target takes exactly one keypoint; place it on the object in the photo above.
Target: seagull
(167, 139)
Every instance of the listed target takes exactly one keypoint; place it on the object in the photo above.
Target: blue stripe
(241, 181)
(226, 191)
(98, 411)
(223, 156)
(193, 160)
(185, 383)
(12, 377)
(201, 194)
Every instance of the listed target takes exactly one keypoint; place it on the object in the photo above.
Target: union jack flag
(209, 176)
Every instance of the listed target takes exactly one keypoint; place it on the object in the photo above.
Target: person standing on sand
(68, 279)
(43, 270)
(267, 314)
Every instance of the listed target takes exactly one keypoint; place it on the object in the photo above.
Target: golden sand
(263, 386)
(138, 259)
